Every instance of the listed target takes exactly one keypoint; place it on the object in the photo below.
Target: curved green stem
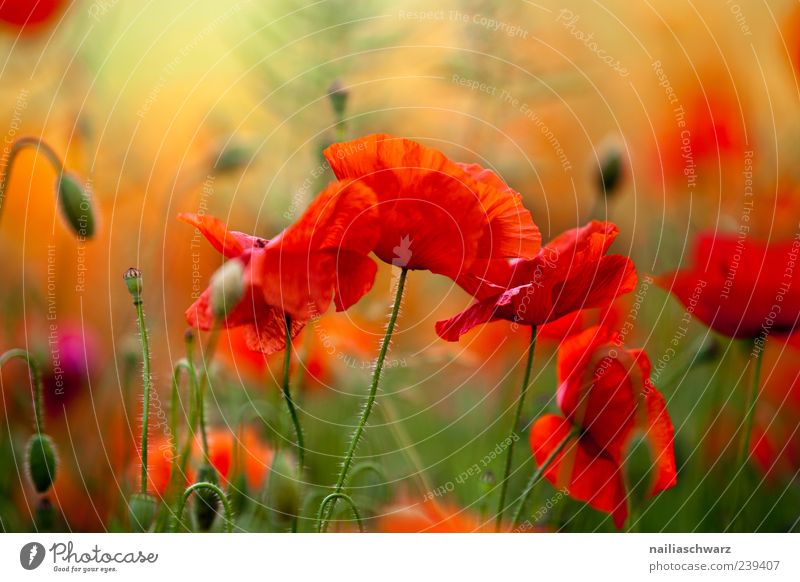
(287, 395)
(321, 523)
(537, 475)
(512, 435)
(214, 489)
(19, 145)
(36, 379)
(376, 377)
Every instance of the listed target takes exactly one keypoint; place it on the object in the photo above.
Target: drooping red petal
(268, 334)
(580, 468)
(230, 243)
(479, 312)
(300, 269)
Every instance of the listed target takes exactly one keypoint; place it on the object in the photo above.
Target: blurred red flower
(430, 516)
(606, 394)
(740, 287)
(568, 274)
(320, 258)
(243, 452)
(436, 214)
(29, 15)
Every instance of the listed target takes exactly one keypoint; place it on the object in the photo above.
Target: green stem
(137, 302)
(182, 364)
(287, 395)
(19, 145)
(330, 499)
(513, 432)
(208, 356)
(324, 516)
(744, 445)
(537, 475)
(214, 489)
(36, 379)
(194, 388)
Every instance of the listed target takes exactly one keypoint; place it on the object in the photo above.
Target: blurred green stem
(226, 504)
(137, 302)
(747, 430)
(512, 435)
(19, 145)
(287, 395)
(325, 514)
(208, 356)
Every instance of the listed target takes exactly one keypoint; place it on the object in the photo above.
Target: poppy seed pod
(41, 462)
(232, 157)
(206, 503)
(610, 170)
(133, 279)
(338, 94)
(227, 288)
(142, 509)
(76, 206)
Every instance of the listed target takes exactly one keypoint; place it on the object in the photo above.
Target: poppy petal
(230, 243)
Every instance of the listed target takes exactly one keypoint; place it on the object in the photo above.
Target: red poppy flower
(436, 214)
(320, 258)
(568, 274)
(242, 452)
(606, 394)
(740, 287)
(28, 14)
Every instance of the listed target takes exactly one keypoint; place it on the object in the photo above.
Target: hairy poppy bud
(227, 288)
(142, 509)
(206, 503)
(41, 462)
(232, 157)
(133, 279)
(610, 171)
(283, 488)
(638, 462)
(338, 94)
(45, 515)
(76, 206)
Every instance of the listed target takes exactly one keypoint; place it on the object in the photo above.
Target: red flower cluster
(606, 396)
(407, 203)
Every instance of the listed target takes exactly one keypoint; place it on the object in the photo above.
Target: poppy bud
(41, 462)
(206, 504)
(45, 515)
(610, 171)
(227, 288)
(338, 94)
(638, 463)
(133, 279)
(283, 488)
(232, 157)
(487, 482)
(76, 206)
(142, 509)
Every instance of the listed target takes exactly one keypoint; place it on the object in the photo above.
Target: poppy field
(400, 267)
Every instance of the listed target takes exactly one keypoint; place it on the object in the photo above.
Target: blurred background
(223, 108)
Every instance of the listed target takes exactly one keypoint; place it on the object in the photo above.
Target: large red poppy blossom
(320, 258)
(606, 394)
(740, 287)
(436, 214)
(568, 274)
(29, 15)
